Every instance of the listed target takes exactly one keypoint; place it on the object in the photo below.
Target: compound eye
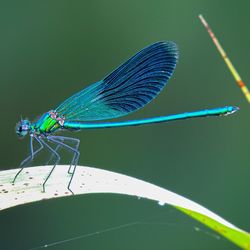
(22, 128)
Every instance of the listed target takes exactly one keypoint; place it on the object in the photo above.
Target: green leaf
(28, 188)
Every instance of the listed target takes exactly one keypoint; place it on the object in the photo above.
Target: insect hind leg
(75, 159)
(76, 156)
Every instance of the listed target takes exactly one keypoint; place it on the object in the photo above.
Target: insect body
(127, 89)
(49, 123)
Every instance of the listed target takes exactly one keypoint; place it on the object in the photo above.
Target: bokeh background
(52, 49)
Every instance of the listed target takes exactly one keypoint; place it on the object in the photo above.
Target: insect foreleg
(29, 158)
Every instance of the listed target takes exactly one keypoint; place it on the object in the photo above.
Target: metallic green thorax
(46, 124)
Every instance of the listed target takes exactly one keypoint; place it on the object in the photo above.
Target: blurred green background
(52, 49)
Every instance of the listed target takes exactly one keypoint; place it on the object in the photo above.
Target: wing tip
(171, 47)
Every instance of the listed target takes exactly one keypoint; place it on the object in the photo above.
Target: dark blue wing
(128, 88)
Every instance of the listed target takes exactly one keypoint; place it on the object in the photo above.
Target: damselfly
(127, 89)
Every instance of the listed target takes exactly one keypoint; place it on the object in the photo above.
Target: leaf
(28, 188)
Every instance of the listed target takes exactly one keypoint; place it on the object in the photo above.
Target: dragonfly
(128, 88)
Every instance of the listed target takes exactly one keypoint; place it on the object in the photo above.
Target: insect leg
(76, 152)
(57, 161)
(29, 158)
(51, 156)
(31, 148)
(75, 159)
